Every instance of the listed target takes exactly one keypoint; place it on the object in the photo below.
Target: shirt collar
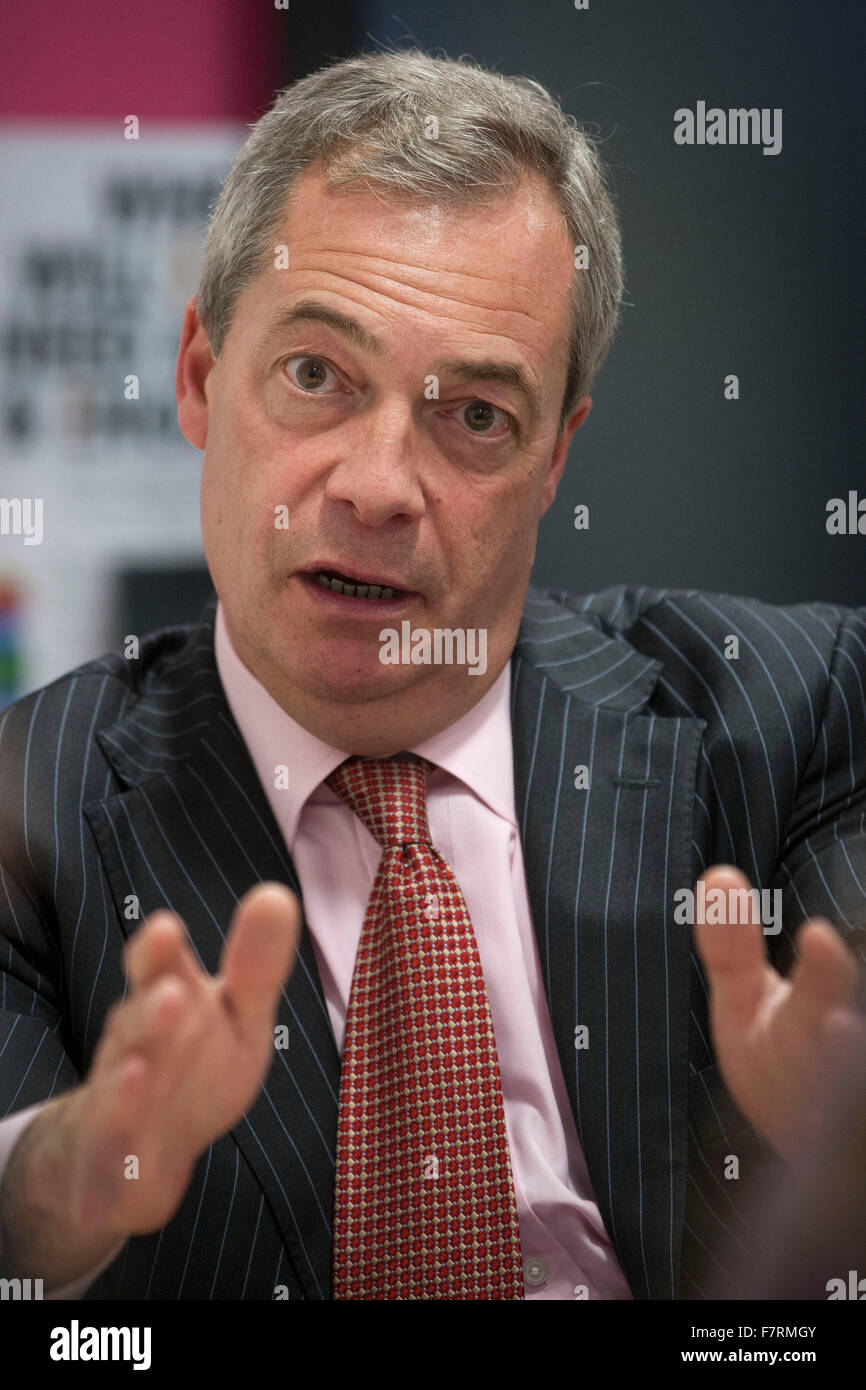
(476, 749)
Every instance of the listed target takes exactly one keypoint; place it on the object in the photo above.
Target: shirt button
(534, 1271)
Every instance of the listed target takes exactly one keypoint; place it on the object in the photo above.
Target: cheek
(490, 550)
(236, 526)
(506, 526)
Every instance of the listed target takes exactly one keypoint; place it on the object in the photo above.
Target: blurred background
(737, 263)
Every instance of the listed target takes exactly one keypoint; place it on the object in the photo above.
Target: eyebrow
(502, 373)
(312, 311)
(509, 374)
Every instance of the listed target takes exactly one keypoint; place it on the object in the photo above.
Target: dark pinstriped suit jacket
(130, 777)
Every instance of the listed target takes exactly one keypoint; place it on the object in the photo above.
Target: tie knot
(388, 794)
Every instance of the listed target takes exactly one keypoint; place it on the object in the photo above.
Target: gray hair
(363, 121)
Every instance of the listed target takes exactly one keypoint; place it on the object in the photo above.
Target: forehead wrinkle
(358, 256)
(460, 300)
(472, 326)
(367, 283)
(469, 322)
(493, 333)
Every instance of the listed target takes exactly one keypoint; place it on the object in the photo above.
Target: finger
(161, 946)
(729, 941)
(841, 1064)
(826, 1080)
(826, 974)
(145, 1023)
(259, 953)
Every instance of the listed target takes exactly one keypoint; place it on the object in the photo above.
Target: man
(490, 1071)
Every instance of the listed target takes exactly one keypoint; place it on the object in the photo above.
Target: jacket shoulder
(622, 608)
(105, 684)
(50, 755)
(712, 645)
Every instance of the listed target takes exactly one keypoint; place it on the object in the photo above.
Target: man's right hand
(180, 1060)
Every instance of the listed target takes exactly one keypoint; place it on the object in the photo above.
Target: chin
(350, 677)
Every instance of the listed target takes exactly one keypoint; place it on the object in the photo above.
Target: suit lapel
(602, 865)
(192, 830)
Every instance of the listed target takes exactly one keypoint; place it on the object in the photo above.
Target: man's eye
(311, 374)
(483, 418)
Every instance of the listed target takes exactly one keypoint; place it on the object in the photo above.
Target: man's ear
(560, 451)
(194, 363)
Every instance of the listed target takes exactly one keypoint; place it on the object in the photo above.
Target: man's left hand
(781, 1043)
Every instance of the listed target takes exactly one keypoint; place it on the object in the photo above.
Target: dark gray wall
(736, 262)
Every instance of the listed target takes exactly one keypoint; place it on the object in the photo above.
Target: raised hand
(781, 1042)
(180, 1060)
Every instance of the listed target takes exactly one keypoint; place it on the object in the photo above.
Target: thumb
(259, 952)
(729, 938)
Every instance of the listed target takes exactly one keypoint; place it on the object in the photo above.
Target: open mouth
(354, 587)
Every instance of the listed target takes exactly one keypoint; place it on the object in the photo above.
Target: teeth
(339, 586)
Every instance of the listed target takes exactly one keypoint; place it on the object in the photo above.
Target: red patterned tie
(424, 1201)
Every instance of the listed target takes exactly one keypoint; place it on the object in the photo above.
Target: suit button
(534, 1271)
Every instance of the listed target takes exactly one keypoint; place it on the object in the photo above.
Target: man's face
(385, 408)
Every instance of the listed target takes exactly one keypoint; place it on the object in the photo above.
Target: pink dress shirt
(474, 826)
(566, 1250)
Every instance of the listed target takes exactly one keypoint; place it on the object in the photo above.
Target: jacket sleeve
(11, 1130)
(822, 865)
(34, 1063)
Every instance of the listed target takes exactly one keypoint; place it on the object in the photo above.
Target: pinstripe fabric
(130, 778)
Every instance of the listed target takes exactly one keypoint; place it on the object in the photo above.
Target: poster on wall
(100, 247)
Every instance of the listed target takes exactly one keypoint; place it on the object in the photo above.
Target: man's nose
(377, 471)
